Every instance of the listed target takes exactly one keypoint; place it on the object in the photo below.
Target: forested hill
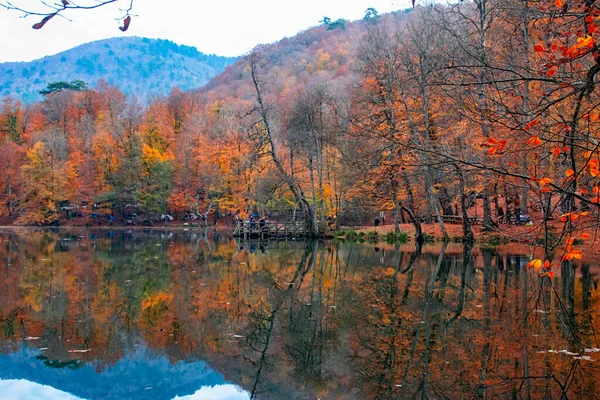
(135, 65)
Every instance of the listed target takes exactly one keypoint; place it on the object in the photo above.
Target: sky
(222, 27)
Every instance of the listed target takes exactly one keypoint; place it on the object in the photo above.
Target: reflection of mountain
(140, 375)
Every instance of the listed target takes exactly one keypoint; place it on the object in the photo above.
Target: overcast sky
(223, 27)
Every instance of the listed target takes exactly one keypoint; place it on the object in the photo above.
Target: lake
(134, 314)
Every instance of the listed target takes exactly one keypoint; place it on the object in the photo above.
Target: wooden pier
(257, 229)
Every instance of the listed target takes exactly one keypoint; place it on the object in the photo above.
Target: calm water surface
(196, 315)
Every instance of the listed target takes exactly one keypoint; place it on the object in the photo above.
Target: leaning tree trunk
(467, 231)
(293, 185)
(416, 223)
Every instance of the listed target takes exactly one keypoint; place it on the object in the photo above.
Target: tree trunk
(417, 224)
(409, 192)
(9, 190)
(294, 187)
(487, 209)
(396, 225)
(496, 201)
(314, 194)
(467, 232)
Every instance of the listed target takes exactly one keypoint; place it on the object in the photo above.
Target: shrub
(373, 236)
(396, 237)
(351, 235)
(427, 238)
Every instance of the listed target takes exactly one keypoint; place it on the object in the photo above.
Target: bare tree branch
(49, 10)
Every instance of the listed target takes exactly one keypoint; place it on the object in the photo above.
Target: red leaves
(573, 254)
(65, 3)
(127, 21)
(534, 141)
(583, 45)
(569, 173)
(497, 146)
(558, 3)
(536, 264)
(573, 216)
(539, 48)
(531, 124)
(41, 24)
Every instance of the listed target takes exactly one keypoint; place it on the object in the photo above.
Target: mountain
(136, 65)
(325, 55)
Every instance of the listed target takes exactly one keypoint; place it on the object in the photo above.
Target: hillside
(135, 65)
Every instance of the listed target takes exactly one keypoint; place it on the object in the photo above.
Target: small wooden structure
(457, 219)
(254, 229)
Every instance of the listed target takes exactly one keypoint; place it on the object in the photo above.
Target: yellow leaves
(545, 181)
(583, 45)
(586, 41)
(152, 155)
(536, 263)
(534, 141)
(161, 297)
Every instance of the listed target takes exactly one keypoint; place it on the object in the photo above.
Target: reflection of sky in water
(141, 375)
(25, 390)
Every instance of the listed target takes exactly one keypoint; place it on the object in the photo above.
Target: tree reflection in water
(328, 320)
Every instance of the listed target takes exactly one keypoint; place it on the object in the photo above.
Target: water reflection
(132, 314)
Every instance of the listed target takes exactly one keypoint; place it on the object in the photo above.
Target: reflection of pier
(253, 229)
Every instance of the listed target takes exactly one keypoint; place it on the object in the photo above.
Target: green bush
(361, 237)
(494, 240)
(427, 238)
(399, 237)
(373, 236)
(340, 233)
(352, 236)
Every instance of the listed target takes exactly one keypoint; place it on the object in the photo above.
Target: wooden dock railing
(270, 229)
